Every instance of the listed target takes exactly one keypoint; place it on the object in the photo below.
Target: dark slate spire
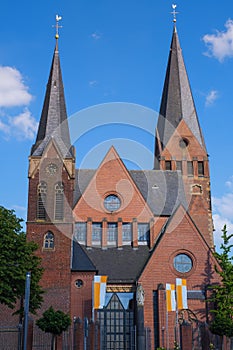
(177, 101)
(53, 121)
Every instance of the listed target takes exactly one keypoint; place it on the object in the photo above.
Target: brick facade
(160, 215)
(173, 201)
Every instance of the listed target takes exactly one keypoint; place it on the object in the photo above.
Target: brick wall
(181, 236)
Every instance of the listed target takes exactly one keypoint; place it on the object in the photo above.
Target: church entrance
(117, 322)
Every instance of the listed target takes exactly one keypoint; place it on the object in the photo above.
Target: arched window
(59, 201)
(49, 240)
(41, 200)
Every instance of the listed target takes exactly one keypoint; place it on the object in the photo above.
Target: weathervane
(58, 18)
(174, 6)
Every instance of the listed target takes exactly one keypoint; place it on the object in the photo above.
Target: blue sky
(114, 51)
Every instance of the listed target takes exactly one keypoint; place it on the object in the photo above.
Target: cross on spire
(174, 12)
(58, 18)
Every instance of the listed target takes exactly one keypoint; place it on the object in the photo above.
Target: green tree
(54, 322)
(222, 297)
(16, 258)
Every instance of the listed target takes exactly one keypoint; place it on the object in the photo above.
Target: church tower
(51, 185)
(179, 141)
(139, 230)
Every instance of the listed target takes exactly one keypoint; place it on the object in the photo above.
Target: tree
(54, 322)
(222, 323)
(16, 259)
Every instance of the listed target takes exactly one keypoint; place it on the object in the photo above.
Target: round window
(183, 263)
(112, 202)
(184, 143)
(79, 283)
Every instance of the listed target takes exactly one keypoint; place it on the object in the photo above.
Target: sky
(114, 53)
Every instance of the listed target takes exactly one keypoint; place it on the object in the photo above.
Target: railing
(11, 337)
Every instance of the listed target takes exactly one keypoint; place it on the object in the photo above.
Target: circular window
(182, 263)
(79, 283)
(184, 143)
(112, 202)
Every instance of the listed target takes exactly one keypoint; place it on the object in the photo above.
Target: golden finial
(58, 18)
(174, 13)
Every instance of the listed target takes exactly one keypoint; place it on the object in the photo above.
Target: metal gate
(116, 326)
(11, 338)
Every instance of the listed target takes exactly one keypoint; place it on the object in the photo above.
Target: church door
(116, 325)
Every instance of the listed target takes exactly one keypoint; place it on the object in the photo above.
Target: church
(142, 231)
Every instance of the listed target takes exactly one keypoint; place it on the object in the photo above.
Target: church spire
(177, 101)
(53, 122)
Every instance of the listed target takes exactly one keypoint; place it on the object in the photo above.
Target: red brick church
(140, 228)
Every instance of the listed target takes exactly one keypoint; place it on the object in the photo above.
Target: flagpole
(93, 309)
(167, 329)
(176, 327)
(182, 303)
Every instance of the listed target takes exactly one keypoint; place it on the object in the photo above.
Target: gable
(51, 154)
(180, 236)
(173, 146)
(162, 190)
(112, 177)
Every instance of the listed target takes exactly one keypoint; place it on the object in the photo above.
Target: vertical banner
(99, 291)
(170, 297)
(181, 294)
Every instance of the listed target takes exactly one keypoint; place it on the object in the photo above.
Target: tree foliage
(222, 323)
(54, 322)
(16, 259)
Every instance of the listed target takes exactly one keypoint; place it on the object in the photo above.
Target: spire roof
(177, 100)
(53, 122)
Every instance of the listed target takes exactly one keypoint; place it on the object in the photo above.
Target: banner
(181, 294)
(99, 291)
(170, 297)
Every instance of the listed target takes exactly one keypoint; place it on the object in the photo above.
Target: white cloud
(223, 213)
(19, 207)
(229, 183)
(220, 44)
(23, 125)
(93, 83)
(13, 91)
(4, 128)
(219, 223)
(211, 97)
(224, 205)
(96, 36)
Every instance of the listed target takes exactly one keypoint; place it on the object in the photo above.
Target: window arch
(41, 200)
(48, 240)
(59, 201)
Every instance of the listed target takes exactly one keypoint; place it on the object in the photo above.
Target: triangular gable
(115, 303)
(53, 150)
(112, 177)
(180, 236)
(183, 132)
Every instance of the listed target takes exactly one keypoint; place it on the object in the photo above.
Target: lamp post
(26, 309)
